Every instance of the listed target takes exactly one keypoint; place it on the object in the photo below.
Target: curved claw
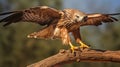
(83, 46)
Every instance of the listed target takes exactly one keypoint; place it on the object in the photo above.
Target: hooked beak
(84, 19)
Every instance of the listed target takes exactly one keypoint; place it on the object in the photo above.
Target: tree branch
(86, 55)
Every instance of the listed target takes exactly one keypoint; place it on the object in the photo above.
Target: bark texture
(86, 55)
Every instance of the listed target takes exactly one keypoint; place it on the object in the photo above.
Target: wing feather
(98, 19)
(42, 15)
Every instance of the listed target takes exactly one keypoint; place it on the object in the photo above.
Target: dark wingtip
(1, 20)
(5, 13)
(6, 24)
(114, 14)
(15, 17)
(114, 19)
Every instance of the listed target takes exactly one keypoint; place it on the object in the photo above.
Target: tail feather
(45, 33)
(15, 17)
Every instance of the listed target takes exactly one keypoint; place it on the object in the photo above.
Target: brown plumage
(58, 22)
(98, 19)
(41, 15)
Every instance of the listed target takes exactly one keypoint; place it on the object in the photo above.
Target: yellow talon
(83, 46)
(73, 48)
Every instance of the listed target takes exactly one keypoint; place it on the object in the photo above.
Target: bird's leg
(66, 39)
(76, 34)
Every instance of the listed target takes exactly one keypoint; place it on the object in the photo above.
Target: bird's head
(75, 15)
(79, 16)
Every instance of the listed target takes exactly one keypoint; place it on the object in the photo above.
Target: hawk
(58, 23)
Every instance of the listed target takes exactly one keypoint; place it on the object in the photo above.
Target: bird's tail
(46, 33)
(14, 16)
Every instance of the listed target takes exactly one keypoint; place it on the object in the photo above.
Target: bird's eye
(77, 16)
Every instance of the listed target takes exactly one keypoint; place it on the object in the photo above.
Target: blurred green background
(16, 50)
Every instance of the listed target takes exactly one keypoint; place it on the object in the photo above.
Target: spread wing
(42, 15)
(98, 19)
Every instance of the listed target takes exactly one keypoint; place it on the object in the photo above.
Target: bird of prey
(58, 23)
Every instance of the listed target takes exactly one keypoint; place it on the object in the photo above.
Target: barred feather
(97, 19)
(41, 15)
